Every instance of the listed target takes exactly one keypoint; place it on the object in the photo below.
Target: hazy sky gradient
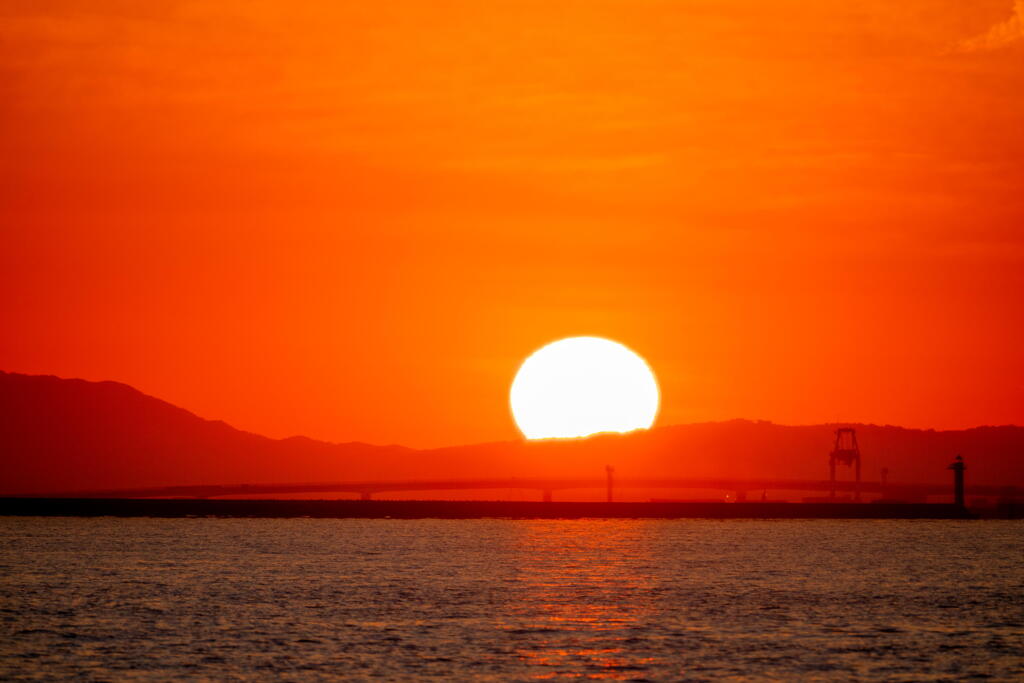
(353, 221)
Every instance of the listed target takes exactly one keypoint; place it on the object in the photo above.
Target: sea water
(271, 599)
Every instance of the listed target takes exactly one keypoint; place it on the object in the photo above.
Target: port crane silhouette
(845, 452)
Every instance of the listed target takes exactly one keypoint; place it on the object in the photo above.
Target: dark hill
(64, 435)
(69, 434)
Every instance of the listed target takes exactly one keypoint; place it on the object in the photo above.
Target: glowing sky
(354, 220)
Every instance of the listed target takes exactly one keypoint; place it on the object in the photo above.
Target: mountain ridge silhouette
(71, 434)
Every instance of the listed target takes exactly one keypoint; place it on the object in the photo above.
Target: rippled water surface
(510, 599)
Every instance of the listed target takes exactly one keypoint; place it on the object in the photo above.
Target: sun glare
(581, 386)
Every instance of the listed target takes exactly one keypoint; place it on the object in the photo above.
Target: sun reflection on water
(583, 600)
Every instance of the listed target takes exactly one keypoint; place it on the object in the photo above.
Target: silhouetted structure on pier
(846, 452)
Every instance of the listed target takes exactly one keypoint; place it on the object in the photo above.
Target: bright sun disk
(581, 386)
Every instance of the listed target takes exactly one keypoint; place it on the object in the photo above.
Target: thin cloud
(999, 36)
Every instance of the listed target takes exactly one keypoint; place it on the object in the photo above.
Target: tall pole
(958, 468)
(609, 470)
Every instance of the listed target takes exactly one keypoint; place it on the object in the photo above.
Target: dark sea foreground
(269, 599)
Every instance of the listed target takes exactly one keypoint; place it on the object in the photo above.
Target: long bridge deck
(546, 487)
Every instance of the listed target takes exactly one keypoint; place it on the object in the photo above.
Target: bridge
(740, 488)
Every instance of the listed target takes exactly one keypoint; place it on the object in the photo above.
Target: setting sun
(581, 386)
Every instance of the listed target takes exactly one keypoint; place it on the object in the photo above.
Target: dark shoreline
(443, 509)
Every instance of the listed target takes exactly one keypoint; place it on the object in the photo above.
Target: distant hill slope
(66, 434)
(69, 434)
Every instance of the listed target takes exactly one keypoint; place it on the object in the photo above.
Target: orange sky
(353, 220)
